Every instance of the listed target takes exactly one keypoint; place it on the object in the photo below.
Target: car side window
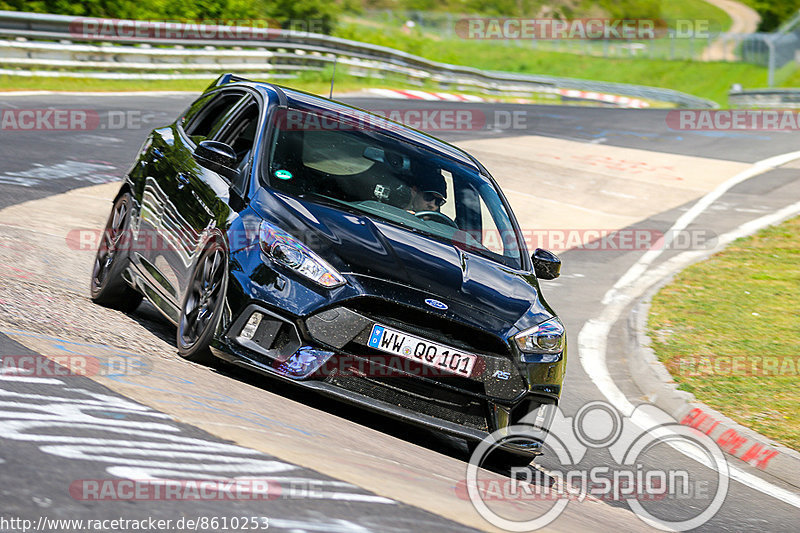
(449, 208)
(206, 114)
(240, 133)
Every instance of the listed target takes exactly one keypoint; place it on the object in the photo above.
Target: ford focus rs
(319, 244)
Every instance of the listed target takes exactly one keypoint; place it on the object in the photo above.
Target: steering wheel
(436, 216)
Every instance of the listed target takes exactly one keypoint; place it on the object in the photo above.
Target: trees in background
(773, 12)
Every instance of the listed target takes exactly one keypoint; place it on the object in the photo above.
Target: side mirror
(218, 157)
(546, 264)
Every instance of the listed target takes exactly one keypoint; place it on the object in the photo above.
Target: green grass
(707, 80)
(313, 82)
(743, 302)
(710, 80)
(789, 76)
(35, 83)
(316, 82)
(443, 12)
(694, 10)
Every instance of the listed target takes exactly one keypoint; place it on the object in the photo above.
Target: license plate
(425, 352)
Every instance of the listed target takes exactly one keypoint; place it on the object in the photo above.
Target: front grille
(420, 397)
(430, 325)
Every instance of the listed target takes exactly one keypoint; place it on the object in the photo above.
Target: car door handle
(157, 154)
(183, 180)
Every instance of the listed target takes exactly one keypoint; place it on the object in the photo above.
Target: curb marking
(593, 337)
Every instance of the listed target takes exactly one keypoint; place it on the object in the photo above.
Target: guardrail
(778, 98)
(51, 42)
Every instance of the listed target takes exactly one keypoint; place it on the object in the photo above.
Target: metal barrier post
(771, 68)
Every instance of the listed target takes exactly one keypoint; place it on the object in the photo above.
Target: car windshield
(352, 164)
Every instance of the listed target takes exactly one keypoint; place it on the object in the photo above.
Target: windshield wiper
(329, 201)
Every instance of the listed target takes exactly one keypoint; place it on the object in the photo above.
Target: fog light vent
(249, 329)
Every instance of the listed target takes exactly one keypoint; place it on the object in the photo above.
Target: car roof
(297, 99)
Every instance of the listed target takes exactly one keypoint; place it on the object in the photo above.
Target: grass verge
(710, 80)
(707, 80)
(704, 79)
(314, 82)
(728, 329)
(693, 10)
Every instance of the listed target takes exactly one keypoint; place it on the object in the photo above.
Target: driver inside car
(429, 193)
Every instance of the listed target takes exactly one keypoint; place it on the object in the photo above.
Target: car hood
(365, 246)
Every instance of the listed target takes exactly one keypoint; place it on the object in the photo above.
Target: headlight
(289, 252)
(543, 343)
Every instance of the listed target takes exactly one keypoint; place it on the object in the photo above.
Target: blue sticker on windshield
(283, 174)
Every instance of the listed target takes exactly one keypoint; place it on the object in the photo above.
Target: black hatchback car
(317, 243)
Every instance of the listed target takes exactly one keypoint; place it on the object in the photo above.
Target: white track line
(687, 218)
(593, 337)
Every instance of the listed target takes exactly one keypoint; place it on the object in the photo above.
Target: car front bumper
(327, 352)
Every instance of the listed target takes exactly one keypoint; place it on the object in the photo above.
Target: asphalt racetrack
(68, 442)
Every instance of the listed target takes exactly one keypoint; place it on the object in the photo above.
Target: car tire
(202, 305)
(108, 287)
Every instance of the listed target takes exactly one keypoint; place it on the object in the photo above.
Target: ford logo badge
(436, 304)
